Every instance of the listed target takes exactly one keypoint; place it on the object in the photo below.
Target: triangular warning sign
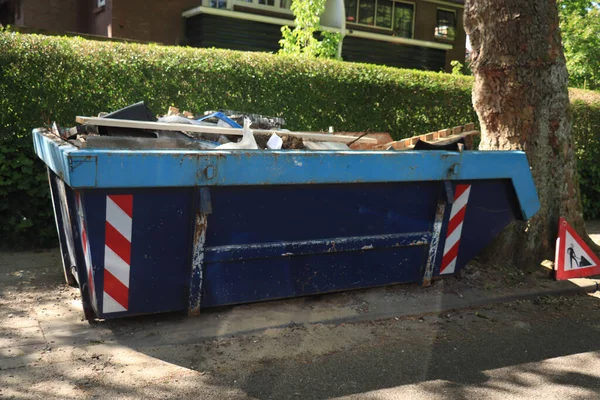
(574, 259)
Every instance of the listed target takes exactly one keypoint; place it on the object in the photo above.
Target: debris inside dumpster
(258, 121)
(326, 146)
(274, 142)
(293, 143)
(455, 139)
(247, 141)
(136, 126)
(216, 127)
(193, 130)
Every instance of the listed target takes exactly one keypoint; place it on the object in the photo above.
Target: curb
(461, 304)
(568, 291)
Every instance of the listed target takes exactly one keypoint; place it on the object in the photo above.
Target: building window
(351, 10)
(280, 4)
(366, 12)
(385, 11)
(396, 16)
(445, 27)
(403, 21)
(218, 3)
(7, 14)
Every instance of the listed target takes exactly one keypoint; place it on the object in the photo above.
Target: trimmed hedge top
(62, 77)
(45, 79)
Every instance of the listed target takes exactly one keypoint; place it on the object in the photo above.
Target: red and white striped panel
(455, 225)
(86, 248)
(117, 253)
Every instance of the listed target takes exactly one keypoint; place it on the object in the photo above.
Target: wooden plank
(450, 138)
(124, 123)
(409, 143)
(398, 145)
(326, 146)
(382, 138)
(470, 127)
(456, 130)
(444, 133)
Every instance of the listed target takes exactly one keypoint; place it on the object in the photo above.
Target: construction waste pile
(137, 127)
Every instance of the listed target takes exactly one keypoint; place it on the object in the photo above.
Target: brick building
(420, 34)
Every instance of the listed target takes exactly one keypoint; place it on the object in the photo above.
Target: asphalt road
(549, 348)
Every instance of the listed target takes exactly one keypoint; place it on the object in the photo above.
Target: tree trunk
(522, 100)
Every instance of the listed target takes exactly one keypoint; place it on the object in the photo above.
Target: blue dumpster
(149, 231)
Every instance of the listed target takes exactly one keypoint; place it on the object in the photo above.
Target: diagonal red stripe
(84, 240)
(460, 189)
(115, 289)
(124, 201)
(449, 256)
(91, 281)
(118, 243)
(455, 222)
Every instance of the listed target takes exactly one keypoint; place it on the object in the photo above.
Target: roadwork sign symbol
(574, 259)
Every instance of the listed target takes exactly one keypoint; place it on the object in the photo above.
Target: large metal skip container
(149, 231)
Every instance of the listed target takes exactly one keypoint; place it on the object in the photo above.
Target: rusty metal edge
(433, 246)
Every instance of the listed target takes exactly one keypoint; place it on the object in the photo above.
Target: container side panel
(80, 267)
(64, 232)
(87, 255)
(255, 280)
(261, 214)
(271, 242)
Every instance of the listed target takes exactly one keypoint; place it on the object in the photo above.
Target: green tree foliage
(302, 39)
(580, 26)
(459, 68)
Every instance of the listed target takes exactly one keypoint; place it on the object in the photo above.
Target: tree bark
(522, 100)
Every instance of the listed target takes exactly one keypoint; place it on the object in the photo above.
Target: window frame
(391, 30)
(374, 15)
(446, 38)
(253, 4)
(346, 17)
(414, 14)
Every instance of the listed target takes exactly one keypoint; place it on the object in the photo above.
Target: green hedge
(585, 109)
(45, 79)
